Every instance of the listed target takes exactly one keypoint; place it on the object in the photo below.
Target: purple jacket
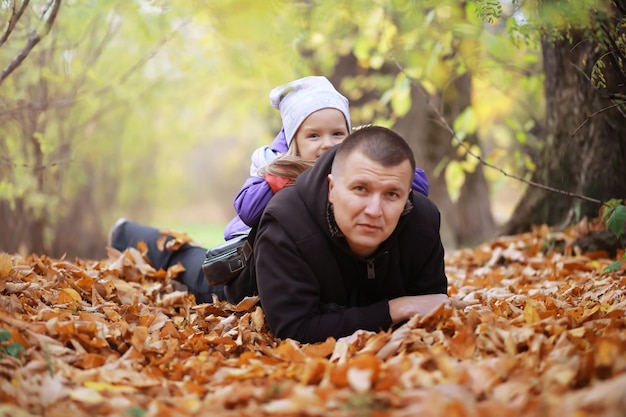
(255, 193)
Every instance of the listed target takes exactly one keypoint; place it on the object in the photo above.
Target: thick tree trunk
(584, 139)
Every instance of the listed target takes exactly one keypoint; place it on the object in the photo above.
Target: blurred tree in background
(150, 109)
(584, 141)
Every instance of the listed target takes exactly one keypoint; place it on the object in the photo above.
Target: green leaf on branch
(609, 208)
(466, 123)
(616, 221)
(455, 177)
(401, 98)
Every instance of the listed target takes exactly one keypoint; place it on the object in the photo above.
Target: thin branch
(580, 70)
(445, 124)
(593, 115)
(15, 17)
(7, 162)
(33, 40)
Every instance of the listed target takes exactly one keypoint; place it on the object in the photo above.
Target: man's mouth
(369, 227)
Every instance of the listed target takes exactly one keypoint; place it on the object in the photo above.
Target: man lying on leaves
(349, 246)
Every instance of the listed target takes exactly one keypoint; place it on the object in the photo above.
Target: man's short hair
(377, 143)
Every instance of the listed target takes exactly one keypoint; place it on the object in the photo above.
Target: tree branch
(595, 114)
(7, 162)
(446, 126)
(33, 40)
(15, 16)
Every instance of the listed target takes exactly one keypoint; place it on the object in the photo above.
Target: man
(349, 246)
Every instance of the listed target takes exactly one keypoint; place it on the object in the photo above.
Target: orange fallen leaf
(68, 295)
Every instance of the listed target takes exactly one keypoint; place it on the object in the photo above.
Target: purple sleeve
(420, 182)
(252, 199)
(235, 227)
(254, 195)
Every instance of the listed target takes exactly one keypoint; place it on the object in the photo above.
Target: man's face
(368, 200)
(319, 132)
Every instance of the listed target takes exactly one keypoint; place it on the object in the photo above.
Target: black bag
(224, 262)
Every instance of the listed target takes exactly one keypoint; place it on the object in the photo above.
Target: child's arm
(255, 193)
(420, 182)
(252, 199)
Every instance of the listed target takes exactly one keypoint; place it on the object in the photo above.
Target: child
(315, 117)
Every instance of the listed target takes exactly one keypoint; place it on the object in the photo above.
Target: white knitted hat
(298, 99)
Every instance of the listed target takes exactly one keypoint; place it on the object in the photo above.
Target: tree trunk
(584, 139)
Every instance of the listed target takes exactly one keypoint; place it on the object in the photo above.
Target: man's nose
(373, 207)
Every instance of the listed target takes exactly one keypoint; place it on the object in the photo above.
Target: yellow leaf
(531, 315)
(455, 177)
(86, 395)
(577, 332)
(5, 265)
(67, 295)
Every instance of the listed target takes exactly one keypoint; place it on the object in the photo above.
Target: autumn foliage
(535, 329)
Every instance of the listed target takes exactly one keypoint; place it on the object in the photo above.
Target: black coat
(312, 286)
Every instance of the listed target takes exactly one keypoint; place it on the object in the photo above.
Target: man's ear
(331, 185)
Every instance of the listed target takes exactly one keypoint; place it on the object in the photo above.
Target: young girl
(315, 117)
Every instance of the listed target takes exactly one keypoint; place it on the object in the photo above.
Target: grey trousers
(129, 233)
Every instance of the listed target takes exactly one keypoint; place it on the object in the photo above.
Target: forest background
(151, 109)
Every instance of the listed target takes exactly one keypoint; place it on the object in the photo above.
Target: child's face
(319, 132)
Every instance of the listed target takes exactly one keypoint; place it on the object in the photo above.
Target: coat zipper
(371, 269)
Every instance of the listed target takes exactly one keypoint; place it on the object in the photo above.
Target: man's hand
(403, 308)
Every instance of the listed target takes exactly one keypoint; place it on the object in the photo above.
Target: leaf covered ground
(532, 331)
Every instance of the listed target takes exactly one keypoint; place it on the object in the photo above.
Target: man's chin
(366, 244)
